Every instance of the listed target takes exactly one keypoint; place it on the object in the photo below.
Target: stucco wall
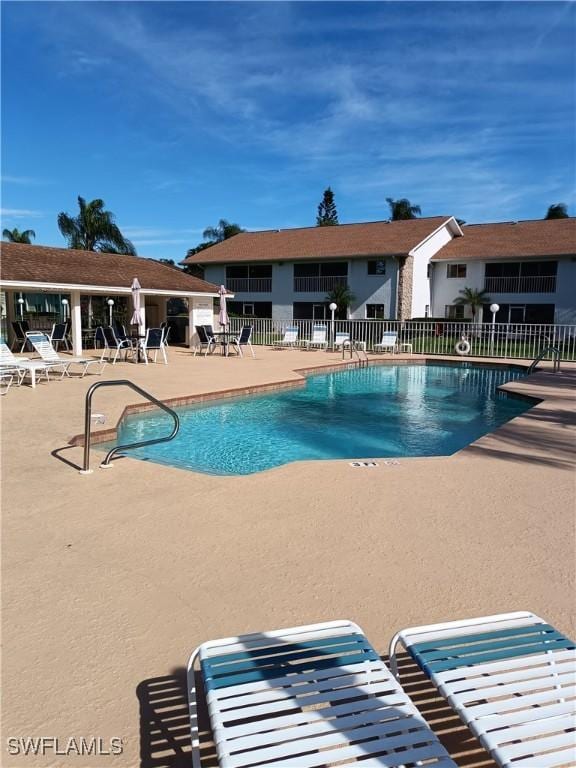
(420, 283)
(372, 289)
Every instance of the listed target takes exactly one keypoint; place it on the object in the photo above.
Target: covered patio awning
(41, 269)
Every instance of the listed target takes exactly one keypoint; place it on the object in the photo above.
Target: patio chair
(511, 679)
(9, 362)
(244, 340)
(120, 331)
(113, 346)
(208, 342)
(20, 327)
(154, 342)
(290, 337)
(319, 337)
(42, 345)
(307, 696)
(342, 339)
(389, 342)
(59, 335)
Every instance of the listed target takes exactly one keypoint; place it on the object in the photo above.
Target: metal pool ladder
(541, 355)
(358, 350)
(88, 421)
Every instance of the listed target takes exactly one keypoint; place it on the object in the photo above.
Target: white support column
(76, 318)
(142, 327)
(191, 332)
(10, 316)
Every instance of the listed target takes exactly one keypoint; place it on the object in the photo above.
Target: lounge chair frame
(307, 696)
(510, 677)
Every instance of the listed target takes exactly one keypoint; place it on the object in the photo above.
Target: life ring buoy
(463, 346)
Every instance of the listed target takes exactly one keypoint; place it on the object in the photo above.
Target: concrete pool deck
(111, 579)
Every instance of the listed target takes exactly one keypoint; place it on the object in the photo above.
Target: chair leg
(165, 358)
(251, 348)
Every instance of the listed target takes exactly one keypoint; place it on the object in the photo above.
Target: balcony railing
(249, 284)
(541, 284)
(318, 284)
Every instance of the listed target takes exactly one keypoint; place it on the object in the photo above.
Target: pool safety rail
(357, 349)
(541, 355)
(117, 449)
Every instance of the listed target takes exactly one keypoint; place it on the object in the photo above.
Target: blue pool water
(381, 411)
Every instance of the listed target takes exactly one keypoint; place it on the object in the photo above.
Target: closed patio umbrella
(223, 316)
(136, 315)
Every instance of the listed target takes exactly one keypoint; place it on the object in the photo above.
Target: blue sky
(179, 114)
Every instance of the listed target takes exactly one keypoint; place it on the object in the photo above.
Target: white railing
(505, 340)
(249, 284)
(318, 284)
(541, 284)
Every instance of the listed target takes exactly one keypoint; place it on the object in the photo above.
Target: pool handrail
(113, 451)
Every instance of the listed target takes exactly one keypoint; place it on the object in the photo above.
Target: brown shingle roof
(510, 240)
(42, 264)
(378, 238)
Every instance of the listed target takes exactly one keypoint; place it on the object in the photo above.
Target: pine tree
(327, 213)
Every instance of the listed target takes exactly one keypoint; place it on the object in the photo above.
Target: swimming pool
(380, 411)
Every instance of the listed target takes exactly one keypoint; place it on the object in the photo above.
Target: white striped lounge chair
(305, 697)
(512, 680)
(290, 338)
(43, 346)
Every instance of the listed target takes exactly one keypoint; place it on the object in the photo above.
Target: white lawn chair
(42, 345)
(290, 337)
(512, 680)
(307, 696)
(23, 365)
(342, 339)
(389, 342)
(319, 337)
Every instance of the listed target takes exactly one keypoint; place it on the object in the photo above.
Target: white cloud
(20, 213)
(24, 181)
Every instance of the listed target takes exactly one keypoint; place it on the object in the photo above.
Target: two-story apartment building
(287, 274)
(402, 269)
(528, 268)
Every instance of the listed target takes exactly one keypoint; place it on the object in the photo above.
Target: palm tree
(402, 209)
(470, 297)
(15, 236)
(558, 211)
(342, 296)
(221, 232)
(94, 229)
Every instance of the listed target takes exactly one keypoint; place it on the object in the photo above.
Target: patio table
(224, 338)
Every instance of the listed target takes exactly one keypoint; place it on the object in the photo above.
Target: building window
(427, 310)
(456, 270)
(454, 312)
(247, 271)
(308, 310)
(377, 267)
(375, 311)
(249, 309)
